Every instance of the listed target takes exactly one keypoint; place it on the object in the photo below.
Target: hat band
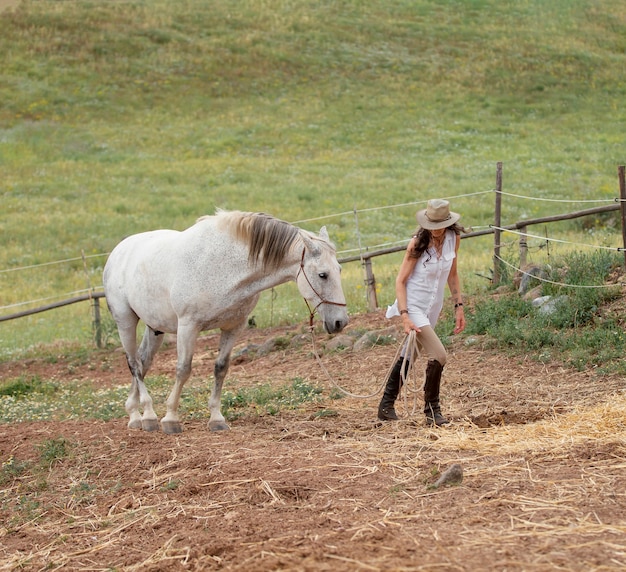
(438, 219)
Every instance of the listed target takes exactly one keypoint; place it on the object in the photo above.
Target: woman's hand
(459, 316)
(408, 325)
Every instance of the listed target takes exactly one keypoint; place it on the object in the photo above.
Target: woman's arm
(454, 284)
(406, 269)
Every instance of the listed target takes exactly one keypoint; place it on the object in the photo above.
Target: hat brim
(428, 224)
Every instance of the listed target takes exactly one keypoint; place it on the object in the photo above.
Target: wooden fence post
(622, 205)
(523, 247)
(97, 322)
(370, 285)
(496, 222)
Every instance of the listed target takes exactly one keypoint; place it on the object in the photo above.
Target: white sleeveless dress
(426, 286)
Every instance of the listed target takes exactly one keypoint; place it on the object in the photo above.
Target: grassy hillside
(120, 117)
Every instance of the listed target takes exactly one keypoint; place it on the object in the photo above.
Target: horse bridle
(322, 300)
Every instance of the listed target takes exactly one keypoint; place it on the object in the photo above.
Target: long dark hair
(422, 239)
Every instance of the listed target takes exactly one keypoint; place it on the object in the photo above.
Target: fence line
(366, 257)
(60, 304)
(346, 213)
(540, 279)
(559, 200)
(547, 239)
(53, 262)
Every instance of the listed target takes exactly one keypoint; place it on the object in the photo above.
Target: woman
(430, 261)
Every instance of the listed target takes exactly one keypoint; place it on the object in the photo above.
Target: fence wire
(359, 249)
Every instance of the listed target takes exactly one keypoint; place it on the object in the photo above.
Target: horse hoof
(171, 427)
(150, 425)
(218, 426)
(135, 424)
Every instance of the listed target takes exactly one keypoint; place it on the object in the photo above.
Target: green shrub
(574, 332)
(495, 316)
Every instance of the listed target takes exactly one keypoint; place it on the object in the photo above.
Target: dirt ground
(326, 486)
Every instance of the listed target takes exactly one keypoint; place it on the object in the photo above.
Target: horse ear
(310, 245)
(324, 233)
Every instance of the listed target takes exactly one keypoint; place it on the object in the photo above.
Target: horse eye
(323, 275)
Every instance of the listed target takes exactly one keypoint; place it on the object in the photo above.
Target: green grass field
(121, 117)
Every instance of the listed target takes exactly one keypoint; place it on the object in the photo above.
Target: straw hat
(437, 215)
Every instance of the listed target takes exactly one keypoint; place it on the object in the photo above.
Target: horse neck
(287, 271)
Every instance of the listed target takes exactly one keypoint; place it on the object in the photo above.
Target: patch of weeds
(82, 493)
(281, 343)
(29, 507)
(117, 487)
(581, 268)
(359, 332)
(336, 394)
(380, 339)
(495, 317)
(31, 399)
(537, 338)
(107, 410)
(171, 485)
(340, 347)
(25, 385)
(435, 473)
(325, 413)
(575, 331)
(12, 468)
(395, 489)
(53, 450)
(80, 356)
(265, 399)
(602, 347)
(580, 305)
(304, 391)
(108, 330)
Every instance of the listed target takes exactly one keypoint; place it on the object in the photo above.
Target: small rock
(340, 342)
(551, 306)
(540, 301)
(533, 294)
(376, 338)
(243, 354)
(529, 276)
(453, 475)
(267, 347)
(300, 340)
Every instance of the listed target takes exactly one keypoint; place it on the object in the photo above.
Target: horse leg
(222, 363)
(128, 335)
(186, 344)
(150, 343)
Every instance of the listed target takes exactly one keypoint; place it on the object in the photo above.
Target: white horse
(205, 277)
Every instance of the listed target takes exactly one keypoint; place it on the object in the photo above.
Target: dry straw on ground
(543, 453)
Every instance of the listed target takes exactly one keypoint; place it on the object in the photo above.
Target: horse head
(319, 281)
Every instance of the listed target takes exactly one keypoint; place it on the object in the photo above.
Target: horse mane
(269, 239)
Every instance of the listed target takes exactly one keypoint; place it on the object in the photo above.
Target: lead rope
(410, 339)
(412, 350)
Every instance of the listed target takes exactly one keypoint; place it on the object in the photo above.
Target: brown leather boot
(432, 409)
(386, 410)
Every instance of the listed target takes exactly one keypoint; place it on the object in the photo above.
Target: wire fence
(365, 253)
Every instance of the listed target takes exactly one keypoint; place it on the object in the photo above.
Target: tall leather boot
(386, 410)
(432, 410)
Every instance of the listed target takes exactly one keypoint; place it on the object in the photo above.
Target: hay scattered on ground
(543, 453)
